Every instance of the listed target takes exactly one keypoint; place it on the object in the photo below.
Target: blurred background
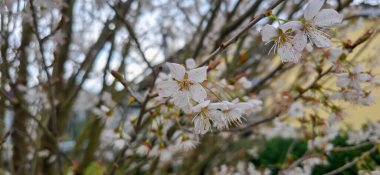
(63, 112)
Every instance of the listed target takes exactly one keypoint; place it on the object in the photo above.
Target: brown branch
(233, 39)
(210, 23)
(353, 162)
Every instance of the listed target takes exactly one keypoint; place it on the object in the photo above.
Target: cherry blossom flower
(367, 100)
(207, 113)
(355, 137)
(320, 143)
(185, 142)
(353, 78)
(233, 111)
(316, 19)
(184, 86)
(187, 145)
(351, 95)
(288, 47)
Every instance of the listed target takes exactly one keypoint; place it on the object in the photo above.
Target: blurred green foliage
(275, 152)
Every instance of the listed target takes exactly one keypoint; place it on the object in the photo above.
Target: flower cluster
(351, 86)
(187, 88)
(369, 133)
(291, 38)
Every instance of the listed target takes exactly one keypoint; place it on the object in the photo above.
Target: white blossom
(288, 47)
(320, 143)
(207, 113)
(316, 19)
(233, 111)
(187, 145)
(353, 78)
(184, 86)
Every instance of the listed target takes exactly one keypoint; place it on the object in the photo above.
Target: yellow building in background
(358, 114)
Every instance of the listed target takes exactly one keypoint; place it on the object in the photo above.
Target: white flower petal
(176, 70)
(197, 93)
(198, 75)
(300, 41)
(343, 82)
(309, 47)
(190, 63)
(205, 103)
(334, 54)
(312, 9)
(217, 118)
(197, 108)
(288, 53)
(167, 88)
(181, 99)
(268, 32)
(220, 105)
(293, 25)
(188, 109)
(243, 106)
(318, 39)
(364, 77)
(201, 126)
(357, 69)
(328, 17)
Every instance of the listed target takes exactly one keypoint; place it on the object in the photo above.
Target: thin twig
(223, 46)
(352, 163)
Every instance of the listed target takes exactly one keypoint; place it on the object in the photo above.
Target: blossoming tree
(187, 87)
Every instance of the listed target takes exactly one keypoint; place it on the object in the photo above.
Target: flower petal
(364, 77)
(318, 39)
(243, 106)
(343, 80)
(327, 17)
(219, 105)
(181, 99)
(288, 53)
(198, 75)
(357, 69)
(293, 25)
(201, 126)
(197, 108)
(197, 93)
(190, 63)
(167, 88)
(218, 118)
(268, 32)
(176, 70)
(312, 9)
(300, 41)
